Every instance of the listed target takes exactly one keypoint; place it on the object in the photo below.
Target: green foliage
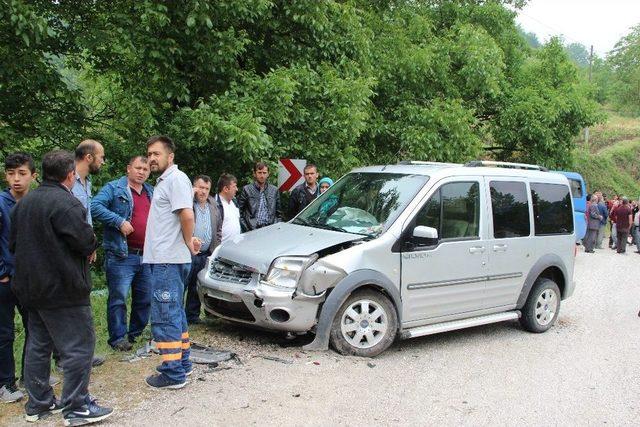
(616, 79)
(610, 162)
(38, 106)
(546, 109)
(578, 54)
(338, 83)
(614, 171)
(625, 65)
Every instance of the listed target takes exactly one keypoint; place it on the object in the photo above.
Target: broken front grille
(234, 310)
(228, 272)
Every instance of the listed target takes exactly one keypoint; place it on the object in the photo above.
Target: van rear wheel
(542, 307)
(365, 325)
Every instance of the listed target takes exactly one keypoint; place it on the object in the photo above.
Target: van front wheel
(365, 325)
(542, 307)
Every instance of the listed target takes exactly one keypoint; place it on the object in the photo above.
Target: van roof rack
(508, 165)
(424, 163)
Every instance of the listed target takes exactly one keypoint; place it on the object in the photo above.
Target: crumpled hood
(258, 248)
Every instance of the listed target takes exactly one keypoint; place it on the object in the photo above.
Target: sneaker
(188, 373)
(55, 408)
(87, 414)
(161, 381)
(9, 393)
(97, 360)
(122, 345)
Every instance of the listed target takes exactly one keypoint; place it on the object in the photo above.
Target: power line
(554, 30)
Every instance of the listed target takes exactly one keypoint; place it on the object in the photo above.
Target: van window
(454, 210)
(510, 208)
(362, 202)
(576, 188)
(552, 210)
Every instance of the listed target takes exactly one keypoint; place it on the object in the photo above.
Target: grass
(615, 129)
(99, 306)
(611, 163)
(116, 383)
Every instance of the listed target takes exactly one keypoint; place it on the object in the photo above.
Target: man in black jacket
(52, 241)
(259, 202)
(306, 192)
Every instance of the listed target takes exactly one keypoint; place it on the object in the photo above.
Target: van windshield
(362, 203)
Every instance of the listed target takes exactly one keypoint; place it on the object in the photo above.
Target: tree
(578, 53)
(338, 83)
(39, 106)
(544, 110)
(624, 60)
(530, 37)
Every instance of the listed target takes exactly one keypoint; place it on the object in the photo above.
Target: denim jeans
(8, 305)
(168, 319)
(124, 274)
(70, 330)
(192, 304)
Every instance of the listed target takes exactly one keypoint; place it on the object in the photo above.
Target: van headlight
(286, 271)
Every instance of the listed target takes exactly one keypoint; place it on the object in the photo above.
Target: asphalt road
(584, 371)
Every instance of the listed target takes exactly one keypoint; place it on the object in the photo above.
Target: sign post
(290, 173)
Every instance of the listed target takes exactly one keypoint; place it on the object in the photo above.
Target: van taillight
(575, 250)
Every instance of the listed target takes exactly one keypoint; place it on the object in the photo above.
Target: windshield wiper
(326, 226)
(301, 221)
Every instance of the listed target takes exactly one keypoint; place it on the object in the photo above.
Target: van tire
(541, 310)
(345, 330)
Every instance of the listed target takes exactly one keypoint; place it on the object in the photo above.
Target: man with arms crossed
(168, 246)
(207, 230)
(123, 207)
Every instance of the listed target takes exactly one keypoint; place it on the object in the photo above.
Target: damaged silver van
(404, 251)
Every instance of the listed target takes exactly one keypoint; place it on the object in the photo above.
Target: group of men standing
(622, 216)
(156, 240)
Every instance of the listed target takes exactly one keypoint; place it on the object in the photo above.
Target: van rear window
(576, 188)
(551, 209)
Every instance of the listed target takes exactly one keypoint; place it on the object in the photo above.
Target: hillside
(611, 161)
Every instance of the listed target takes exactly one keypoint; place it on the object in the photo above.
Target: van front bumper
(258, 304)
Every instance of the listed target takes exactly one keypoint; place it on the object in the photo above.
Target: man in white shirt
(227, 207)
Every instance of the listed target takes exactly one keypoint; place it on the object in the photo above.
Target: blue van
(579, 194)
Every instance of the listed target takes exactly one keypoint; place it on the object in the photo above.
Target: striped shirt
(203, 225)
(83, 193)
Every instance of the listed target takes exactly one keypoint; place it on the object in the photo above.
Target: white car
(403, 251)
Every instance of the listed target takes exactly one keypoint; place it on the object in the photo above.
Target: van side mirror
(424, 232)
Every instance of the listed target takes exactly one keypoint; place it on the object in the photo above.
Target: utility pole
(586, 130)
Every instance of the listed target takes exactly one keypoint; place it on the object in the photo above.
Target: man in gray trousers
(593, 224)
(52, 242)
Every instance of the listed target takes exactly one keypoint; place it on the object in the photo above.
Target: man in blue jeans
(168, 247)
(123, 208)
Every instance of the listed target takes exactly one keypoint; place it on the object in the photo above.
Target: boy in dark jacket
(20, 172)
(51, 241)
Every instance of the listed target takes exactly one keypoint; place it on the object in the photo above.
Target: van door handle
(476, 249)
(499, 248)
